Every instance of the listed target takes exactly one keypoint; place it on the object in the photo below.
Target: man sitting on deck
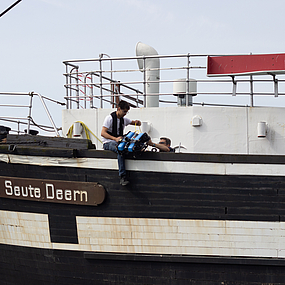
(112, 132)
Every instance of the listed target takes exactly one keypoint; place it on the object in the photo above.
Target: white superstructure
(200, 124)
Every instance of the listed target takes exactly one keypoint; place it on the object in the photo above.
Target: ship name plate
(56, 191)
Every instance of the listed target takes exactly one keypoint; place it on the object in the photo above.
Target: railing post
(31, 94)
(77, 88)
(275, 80)
(70, 90)
(137, 99)
(85, 90)
(91, 91)
(187, 80)
(234, 86)
(251, 90)
(49, 116)
(67, 87)
(144, 83)
(101, 81)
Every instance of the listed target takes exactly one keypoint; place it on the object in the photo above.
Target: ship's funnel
(151, 67)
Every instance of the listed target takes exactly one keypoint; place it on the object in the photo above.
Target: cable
(41, 127)
(86, 129)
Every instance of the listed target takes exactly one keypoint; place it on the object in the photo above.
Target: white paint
(157, 236)
(24, 229)
(152, 166)
(230, 130)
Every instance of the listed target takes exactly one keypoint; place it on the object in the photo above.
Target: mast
(9, 8)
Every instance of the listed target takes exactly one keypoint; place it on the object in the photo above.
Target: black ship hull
(24, 265)
(153, 196)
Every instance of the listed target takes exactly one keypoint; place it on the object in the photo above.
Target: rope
(86, 129)
(136, 131)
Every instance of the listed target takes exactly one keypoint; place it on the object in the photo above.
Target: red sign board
(246, 64)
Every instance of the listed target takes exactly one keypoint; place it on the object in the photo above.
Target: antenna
(13, 5)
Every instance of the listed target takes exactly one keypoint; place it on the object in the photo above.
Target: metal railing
(18, 117)
(87, 81)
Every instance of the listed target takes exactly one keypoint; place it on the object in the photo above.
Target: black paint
(31, 266)
(180, 258)
(150, 195)
(63, 228)
(162, 195)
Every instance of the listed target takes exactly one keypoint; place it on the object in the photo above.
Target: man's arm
(108, 136)
(161, 147)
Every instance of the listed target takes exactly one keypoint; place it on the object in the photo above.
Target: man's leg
(121, 161)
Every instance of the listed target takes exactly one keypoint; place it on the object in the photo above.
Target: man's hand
(150, 142)
(118, 139)
(136, 122)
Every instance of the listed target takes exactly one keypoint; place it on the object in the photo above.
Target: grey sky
(37, 35)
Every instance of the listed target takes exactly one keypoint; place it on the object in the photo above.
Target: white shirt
(108, 123)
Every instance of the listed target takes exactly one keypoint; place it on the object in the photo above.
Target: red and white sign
(259, 64)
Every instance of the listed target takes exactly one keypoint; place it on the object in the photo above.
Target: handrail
(28, 121)
(132, 80)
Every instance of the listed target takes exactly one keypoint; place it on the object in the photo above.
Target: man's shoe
(124, 181)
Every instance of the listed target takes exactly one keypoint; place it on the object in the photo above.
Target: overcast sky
(37, 35)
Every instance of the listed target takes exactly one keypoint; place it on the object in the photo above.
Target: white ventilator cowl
(152, 66)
